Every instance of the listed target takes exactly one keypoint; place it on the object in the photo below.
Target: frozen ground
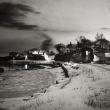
(87, 88)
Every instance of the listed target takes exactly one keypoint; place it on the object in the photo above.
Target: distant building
(17, 55)
(107, 57)
(35, 54)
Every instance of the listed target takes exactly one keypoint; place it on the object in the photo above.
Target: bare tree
(60, 47)
(101, 43)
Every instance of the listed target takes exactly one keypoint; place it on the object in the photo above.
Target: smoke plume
(47, 43)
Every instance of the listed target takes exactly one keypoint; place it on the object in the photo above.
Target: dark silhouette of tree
(11, 15)
(71, 47)
(101, 44)
(13, 55)
(64, 53)
(83, 45)
(60, 47)
(99, 36)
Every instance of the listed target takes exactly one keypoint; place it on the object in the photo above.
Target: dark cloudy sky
(62, 20)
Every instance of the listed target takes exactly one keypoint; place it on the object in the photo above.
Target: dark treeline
(70, 52)
(78, 51)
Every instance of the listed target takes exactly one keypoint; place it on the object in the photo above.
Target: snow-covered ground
(87, 88)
